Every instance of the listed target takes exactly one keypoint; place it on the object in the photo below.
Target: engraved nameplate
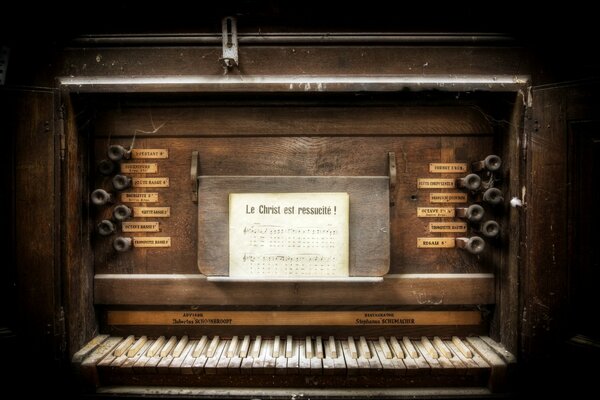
(445, 227)
(145, 212)
(447, 168)
(435, 183)
(294, 318)
(139, 197)
(149, 153)
(288, 234)
(150, 182)
(432, 212)
(447, 197)
(139, 168)
(151, 242)
(132, 226)
(435, 243)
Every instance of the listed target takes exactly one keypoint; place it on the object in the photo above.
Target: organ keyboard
(294, 361)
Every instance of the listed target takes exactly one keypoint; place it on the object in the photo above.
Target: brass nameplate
(146, 212)
(151, 242)
(150, 182)
(447, 168)
(139, 197)
(435, 243)
(149, 153)
(294, 318)
(435, 183)
(288, 234)
(447, 197)
(445, 227)
(139, 168)
(433, 212)
(132, 226)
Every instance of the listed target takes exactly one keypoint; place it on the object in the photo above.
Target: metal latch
(230, 44)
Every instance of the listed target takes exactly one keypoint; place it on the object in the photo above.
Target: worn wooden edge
(86, 350)
(275, 393)
(397, 289)
(349, 279)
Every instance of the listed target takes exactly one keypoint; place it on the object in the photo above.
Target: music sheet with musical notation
(287, 235)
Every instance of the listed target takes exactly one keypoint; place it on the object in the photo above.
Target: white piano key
(410, 349)
(156, 346)
(308, 348)
(332, 347)
(352, 348)
(396, 347)
(364, 347)
(289, 346)
(168, 347)
(137, 346)
(212, 347)
(232, 347)
(245, 346)
(276, 347)
(180, 346)
(387, 352)
(256, 347)
(441, 347)
(200, 346)
(429, 347)
(461, 347)
(350, 356)
(124, 346)
(210, 368)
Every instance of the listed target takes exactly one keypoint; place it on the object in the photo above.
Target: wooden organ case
(425, 140)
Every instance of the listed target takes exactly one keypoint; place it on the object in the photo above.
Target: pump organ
(429, 163)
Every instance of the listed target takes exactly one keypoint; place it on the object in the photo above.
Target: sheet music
(288, 234)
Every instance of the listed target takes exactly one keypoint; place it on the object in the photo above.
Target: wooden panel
(77, 256)
(544, 276)
(369, 217)
(412, 289)
(295, 60)
(269, 120)
(304, 156)
(30, 118)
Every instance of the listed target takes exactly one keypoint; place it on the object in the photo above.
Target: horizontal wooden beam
(290, 84)
(401, 289)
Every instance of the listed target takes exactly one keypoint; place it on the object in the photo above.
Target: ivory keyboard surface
(294, 362)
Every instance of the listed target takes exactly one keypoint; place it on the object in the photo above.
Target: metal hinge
(4, 52)
(230, 44)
